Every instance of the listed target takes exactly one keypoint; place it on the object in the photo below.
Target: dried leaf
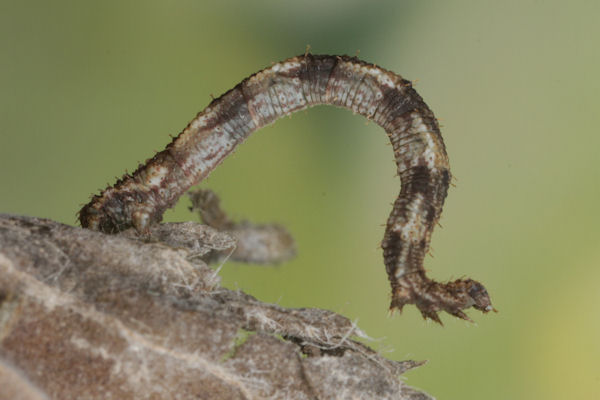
(95, 316)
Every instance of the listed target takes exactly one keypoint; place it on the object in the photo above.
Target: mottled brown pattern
(140, 199)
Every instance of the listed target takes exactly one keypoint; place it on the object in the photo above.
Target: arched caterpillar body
(140, 199)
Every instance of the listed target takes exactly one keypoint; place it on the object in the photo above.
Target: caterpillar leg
(430, 296)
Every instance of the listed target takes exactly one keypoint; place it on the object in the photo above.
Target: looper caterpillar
(139, 200)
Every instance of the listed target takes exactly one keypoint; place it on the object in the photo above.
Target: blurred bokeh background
(89, 89)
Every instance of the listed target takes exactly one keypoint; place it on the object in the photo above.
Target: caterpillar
(140, 199)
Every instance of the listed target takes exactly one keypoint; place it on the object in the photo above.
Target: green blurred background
(88, 89)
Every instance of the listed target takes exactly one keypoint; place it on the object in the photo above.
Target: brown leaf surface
(88, 315)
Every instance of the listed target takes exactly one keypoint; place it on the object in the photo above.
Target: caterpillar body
(139, 200)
